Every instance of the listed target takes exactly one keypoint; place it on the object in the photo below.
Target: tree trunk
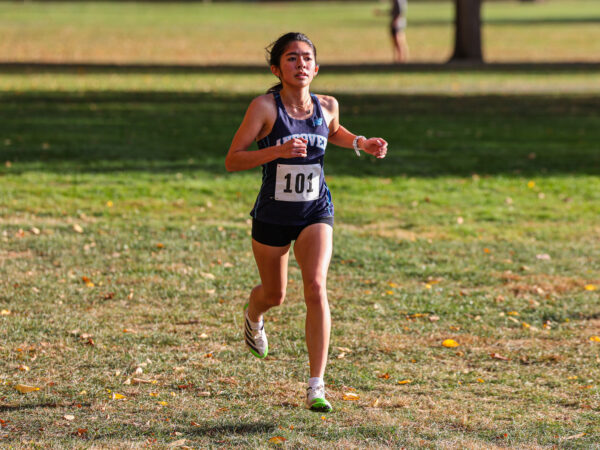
(467, 36)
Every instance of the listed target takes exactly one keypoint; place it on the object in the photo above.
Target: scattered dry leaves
(25, 389)
(450, 343)
(277, 440)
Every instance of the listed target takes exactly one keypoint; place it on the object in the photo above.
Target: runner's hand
(294, 148)
(375, 146)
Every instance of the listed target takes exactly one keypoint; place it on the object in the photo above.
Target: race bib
(297, 183)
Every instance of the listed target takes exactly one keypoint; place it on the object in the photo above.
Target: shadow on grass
(231, 428)
(28, 406)
(211, 430)
(429, 135)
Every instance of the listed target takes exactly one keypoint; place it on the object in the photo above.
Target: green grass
(344, 32)
(484, 216)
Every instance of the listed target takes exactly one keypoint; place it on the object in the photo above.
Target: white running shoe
(315, 399)
(256, 340)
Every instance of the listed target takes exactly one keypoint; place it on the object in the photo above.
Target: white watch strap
(355, 144)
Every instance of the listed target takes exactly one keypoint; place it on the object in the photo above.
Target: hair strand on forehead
(276, 50)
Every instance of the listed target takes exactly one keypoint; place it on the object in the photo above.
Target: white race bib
(297, 183)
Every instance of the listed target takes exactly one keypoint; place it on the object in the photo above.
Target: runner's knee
(315, 291)
(274, 297)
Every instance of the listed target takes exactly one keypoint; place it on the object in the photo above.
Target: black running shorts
(281, 235)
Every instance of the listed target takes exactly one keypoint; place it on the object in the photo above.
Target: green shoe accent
(321, 405)
(259, 356)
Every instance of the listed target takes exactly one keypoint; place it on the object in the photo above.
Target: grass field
(204, 33)
(125, 251)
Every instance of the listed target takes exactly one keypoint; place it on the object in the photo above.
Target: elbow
(229, 165)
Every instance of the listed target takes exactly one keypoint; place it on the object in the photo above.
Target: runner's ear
(316, 69)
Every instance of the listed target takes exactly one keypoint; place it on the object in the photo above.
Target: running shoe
(315, 399)
(256, 340)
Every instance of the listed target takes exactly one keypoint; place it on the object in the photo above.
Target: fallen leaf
(142, 381)
(480, 380)
(498, 356)
(450, 343)
(69, 417)
(575, 436)
(116, 396)
(5, 312)
(160, 245)
(590, 287)
(512, 313)
(433, 318)
(210, 276)
(385, 376)
(109, 204)
(486, 250)
(344, 349)
(204, 394)
(350, 396)
(24, 389)
(404, 381)
(595, 338)
(163, 403)
(531, 184)
(153, 394)
(375, 403)
(177, 443)
(543, 256)
(278, 440)
(77, 228)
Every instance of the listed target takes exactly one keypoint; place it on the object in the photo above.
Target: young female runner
(292, 128)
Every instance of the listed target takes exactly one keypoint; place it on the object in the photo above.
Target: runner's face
(297, 65)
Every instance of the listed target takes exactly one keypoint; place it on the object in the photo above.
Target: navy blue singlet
(293, 190)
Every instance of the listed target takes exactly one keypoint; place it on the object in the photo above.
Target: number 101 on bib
(297, 183)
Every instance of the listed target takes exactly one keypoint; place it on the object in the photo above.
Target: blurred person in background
(397, 28)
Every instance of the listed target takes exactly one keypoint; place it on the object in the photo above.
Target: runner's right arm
(240, 158)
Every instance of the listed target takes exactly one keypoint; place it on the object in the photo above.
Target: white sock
(315, 381)
(254, 325)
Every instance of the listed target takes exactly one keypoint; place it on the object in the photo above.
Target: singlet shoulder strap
(319, 110)
(278, 100)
